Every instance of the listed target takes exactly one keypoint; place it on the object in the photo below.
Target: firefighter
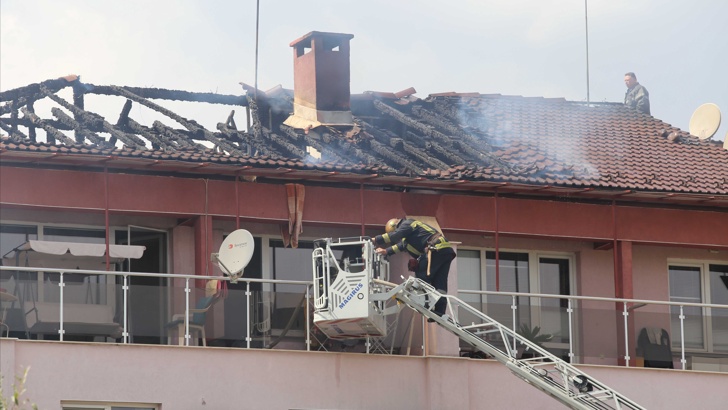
(432, 253)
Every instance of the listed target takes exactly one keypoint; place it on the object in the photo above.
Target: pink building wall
(221, 378)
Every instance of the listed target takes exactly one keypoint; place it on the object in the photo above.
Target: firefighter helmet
(391, 225)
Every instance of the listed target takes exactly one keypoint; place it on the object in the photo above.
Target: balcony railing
(133, 307)
(57, 302)
(594, 323)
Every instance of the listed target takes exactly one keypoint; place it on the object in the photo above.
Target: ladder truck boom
(545, 371)
(353, 296)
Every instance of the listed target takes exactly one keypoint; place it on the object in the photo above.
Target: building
(570, 199)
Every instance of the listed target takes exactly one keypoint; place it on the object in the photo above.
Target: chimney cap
(306, 38)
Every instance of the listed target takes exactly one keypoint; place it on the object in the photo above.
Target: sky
(678, 49)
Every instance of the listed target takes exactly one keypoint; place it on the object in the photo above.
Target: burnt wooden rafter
(401, 148)
(12, 133)
(452, 129)
(429, 130)
(189, 124)
(95, 121)
(259, 132)
(171, 95)
(81, 132)
(252, 146)
(436, 150)
(175, 137)
(157, 143)
(324, 149)
(53, 133)
(355, 149)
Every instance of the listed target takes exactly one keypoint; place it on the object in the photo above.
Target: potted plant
(533, 335)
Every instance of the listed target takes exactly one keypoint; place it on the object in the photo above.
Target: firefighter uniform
(417, 238)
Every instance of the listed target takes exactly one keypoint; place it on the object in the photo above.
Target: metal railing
(125, 290)
(628, 306)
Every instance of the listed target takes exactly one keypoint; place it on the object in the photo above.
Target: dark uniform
(638, 98)
(415, 238)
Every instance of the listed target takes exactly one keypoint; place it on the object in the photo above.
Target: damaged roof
(452, 140)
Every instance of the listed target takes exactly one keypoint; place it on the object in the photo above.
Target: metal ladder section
(544, 370)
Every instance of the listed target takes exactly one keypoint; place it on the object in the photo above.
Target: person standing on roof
(637, 96)
(432, 252)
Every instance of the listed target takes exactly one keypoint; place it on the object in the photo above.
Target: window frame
(102, 405)
(706, 298)
(534, 285)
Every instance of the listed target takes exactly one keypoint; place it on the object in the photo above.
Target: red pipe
(361, 207)
(615, 256)
(106, 216)
(237, 202)
(497, 252)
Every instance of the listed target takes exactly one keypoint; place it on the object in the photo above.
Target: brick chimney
(321, 80)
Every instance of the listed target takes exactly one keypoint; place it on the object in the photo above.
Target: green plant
(16, 402)
(534, 335)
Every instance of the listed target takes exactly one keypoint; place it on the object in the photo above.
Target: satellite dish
(725, 141)
(235, 253)
(705, 121)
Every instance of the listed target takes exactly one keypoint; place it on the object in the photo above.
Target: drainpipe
(497, 252)
(361, 206)
(106, 215)
(615, 256)
(237, 201)
(207, 230)
(623, 322)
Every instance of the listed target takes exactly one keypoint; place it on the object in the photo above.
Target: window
(525, 272)
(469, 276)
(705, 329)
(80, 288)
(108, 406)
(719, 295)
(513, 277)
(290, 264)
(12, 236)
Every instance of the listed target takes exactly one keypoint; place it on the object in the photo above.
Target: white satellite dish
(235, 253)
(705, 121)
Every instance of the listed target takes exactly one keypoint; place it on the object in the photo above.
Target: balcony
(268, 318)
(154, 308)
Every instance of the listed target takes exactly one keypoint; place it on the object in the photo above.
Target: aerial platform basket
(344, 271)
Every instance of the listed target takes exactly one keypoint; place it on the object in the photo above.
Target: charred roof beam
(24, 95)
(285, 145)
(25, 122)
(387, 153)
(13, 132)
(431, 132)
(259, 132)
(325, 150)
(92, 120)
(172, 95)
(52, 133)
(157, 143)
(402, 146)
(190, 125)
(31, 129)
(14, 105)
(81, 133)
(175, 137)
(252, 146)
(437, 150)
(434, 120)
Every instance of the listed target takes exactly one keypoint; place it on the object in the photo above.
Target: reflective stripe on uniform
(412, 249)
